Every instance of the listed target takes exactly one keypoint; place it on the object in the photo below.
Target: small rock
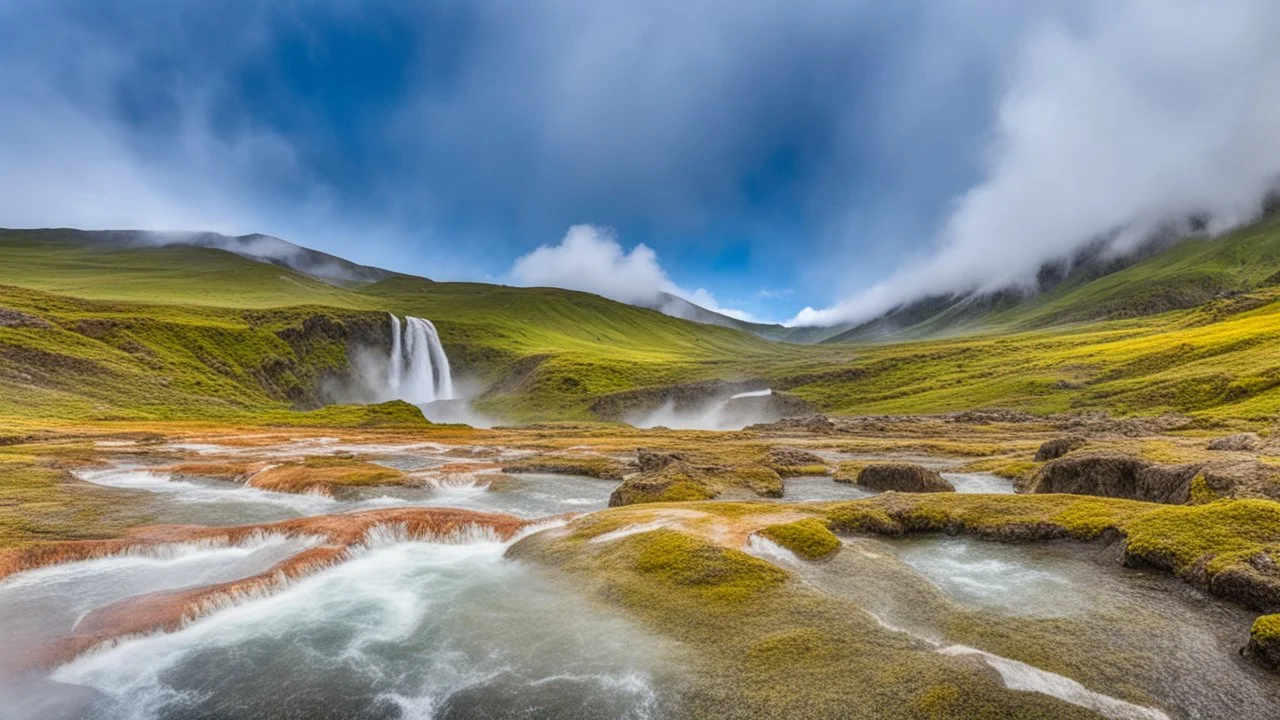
(1057, 447)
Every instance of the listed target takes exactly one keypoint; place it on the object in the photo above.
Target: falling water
(396, 365)
(418, 370)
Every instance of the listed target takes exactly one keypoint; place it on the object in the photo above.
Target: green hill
(555, 350)
(91, 330)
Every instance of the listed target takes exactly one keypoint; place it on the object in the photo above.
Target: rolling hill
(121, 330)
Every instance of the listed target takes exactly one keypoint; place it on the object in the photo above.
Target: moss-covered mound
(794, 462)
(678, 481)
(903, 477)
(596, 466)
(810, 539)
(1264, 641)
(327, 475)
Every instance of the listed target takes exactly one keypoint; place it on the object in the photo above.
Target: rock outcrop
(1057, 447)
(902, 477)
(814, 424)
(1116, 475)
(1240, 442)
(1124, 476)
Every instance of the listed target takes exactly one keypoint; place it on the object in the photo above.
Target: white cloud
(1145, 111)
(590, 259)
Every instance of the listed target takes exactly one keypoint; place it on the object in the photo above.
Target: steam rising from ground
(1143, 113)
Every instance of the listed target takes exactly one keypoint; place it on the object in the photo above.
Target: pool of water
(1070, 609)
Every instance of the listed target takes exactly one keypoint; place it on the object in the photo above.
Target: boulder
(1240, 442)
(1264, 642)
(903, 477)
(1057, 447)
(1116, 475)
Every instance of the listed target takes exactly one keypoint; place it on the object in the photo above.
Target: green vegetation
(96, 332)
(596, 466)
(1226, 547)
(39, 501)
(810, 538)
(327, 475)
(763, 645)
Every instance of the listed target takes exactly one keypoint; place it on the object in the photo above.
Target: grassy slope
(191, 327)
(1217, 358)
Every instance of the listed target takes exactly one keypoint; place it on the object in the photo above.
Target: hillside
(108, 331)
(546, 353)
(1162, 276)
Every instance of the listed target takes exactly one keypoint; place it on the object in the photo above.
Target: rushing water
(1114, 632)
(406, 629)
(454, 629)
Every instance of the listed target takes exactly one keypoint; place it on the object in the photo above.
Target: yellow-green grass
(205, 321)
(809, 538)
(41, 501)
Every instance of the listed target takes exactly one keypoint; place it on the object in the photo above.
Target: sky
(801, 161)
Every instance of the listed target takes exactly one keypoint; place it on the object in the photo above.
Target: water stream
(454, 629)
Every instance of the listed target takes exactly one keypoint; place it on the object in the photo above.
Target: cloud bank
(1138, 114)
(590, 259)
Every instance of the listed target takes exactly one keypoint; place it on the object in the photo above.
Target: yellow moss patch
(810, 539)
(325, 475)
(1266, 629)
(717, 573)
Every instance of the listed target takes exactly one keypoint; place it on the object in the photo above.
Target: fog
(1142, 114)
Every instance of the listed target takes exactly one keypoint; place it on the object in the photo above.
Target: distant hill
(264, 248)
(1166, 273)
(675, 306)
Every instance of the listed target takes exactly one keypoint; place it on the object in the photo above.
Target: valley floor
(591, 570)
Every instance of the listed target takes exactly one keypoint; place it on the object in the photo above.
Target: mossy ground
(764, 645)
(810, 539)
(328, 475)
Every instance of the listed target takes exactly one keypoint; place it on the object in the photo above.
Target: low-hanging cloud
(1141, 113)
(590, 259)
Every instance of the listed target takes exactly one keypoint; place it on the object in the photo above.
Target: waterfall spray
(418, 370)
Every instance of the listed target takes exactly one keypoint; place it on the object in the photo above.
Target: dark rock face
(903, 477)
(1057, 447)
(651, 461)
(16, 319)
(1247, 442)
(1119, 476)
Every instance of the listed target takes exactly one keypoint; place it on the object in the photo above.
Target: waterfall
(418, 370)
(396, 366)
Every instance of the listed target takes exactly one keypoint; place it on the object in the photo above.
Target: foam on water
(424, 628)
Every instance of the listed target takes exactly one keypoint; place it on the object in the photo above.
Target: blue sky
(773, 155)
